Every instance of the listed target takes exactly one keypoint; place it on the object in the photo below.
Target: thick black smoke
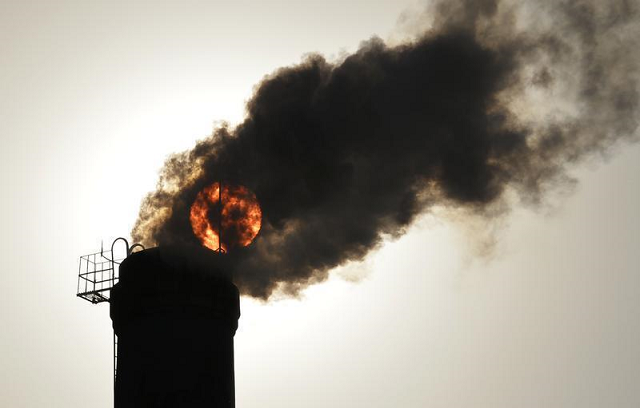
(493, 97)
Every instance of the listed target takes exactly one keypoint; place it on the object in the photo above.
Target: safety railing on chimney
(97, 274)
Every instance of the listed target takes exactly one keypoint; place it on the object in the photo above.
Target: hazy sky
(94, 95)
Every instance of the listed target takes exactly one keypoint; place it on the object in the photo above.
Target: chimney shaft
(175, 312)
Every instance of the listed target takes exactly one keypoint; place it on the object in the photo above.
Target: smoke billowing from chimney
(495, 96)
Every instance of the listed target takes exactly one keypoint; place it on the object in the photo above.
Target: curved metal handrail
(134, 246)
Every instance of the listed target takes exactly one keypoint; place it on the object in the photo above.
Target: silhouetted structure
(175, 312)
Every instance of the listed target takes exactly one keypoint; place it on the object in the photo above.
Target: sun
(227, 217)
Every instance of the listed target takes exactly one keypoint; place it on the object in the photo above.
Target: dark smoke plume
(492, 97)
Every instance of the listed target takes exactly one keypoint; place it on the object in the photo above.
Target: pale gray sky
(551, 319)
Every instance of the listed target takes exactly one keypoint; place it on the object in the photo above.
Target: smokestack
(175, 312)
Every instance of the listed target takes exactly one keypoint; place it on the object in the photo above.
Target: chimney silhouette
(175, 312)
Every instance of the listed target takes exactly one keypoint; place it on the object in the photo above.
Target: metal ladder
(115, 357)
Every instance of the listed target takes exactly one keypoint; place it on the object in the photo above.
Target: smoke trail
(494, 97)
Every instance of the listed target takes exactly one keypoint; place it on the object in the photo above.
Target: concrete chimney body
(175, 312)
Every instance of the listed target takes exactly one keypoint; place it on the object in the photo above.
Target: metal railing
(97, 274)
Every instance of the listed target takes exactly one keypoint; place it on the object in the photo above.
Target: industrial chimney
(175, 312)
(174, 308)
